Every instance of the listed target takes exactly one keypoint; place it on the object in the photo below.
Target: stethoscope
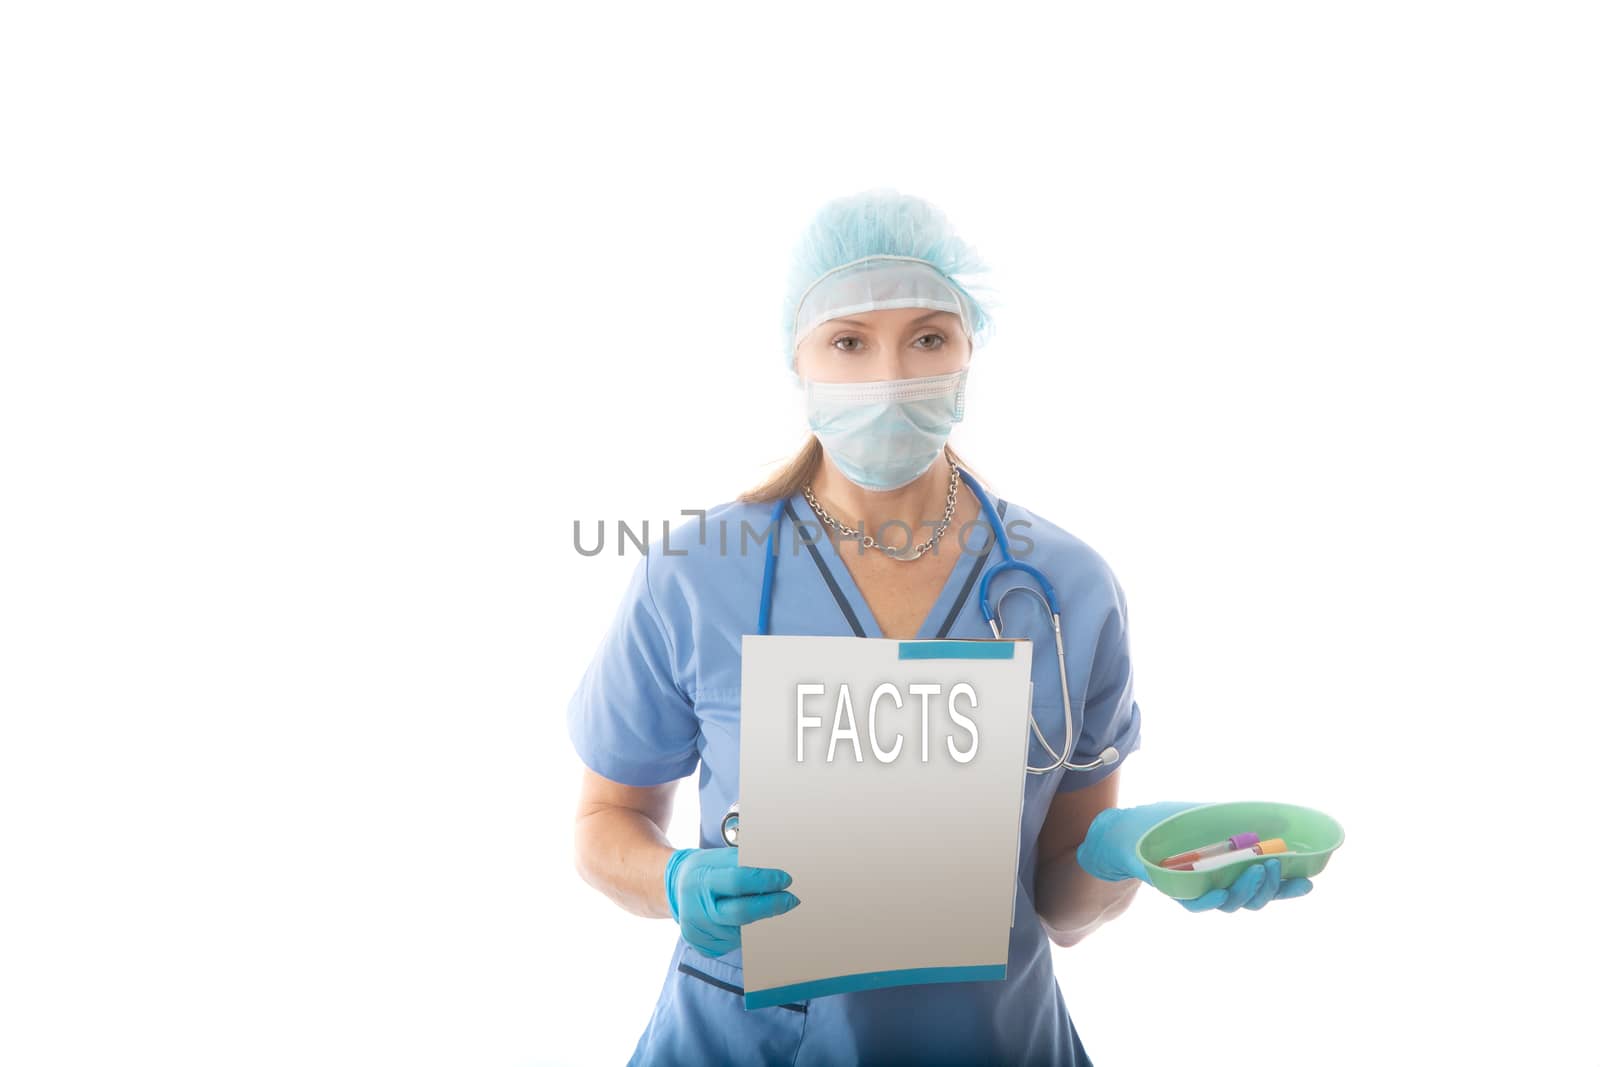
(1045, 594)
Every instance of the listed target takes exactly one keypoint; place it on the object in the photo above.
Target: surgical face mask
(883, 435)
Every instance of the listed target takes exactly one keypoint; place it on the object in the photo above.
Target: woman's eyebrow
(913, 322)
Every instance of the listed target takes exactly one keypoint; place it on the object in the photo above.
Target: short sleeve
(1111, 715)
(629, 719)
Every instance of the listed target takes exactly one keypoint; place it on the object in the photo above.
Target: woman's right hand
(711, 896)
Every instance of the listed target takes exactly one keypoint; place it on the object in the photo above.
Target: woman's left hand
(1255, 886)
(1109, 852)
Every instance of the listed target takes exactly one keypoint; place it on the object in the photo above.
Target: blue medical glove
(712, 896)
(1253, 888)
(1108, 853)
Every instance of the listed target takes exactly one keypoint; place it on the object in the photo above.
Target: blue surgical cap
(877, 249)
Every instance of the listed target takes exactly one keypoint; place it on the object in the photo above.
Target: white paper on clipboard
(906, 868)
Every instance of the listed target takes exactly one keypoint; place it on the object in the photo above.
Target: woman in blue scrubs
(881, 335)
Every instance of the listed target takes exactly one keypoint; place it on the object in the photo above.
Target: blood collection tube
(1232, 844)
(1266, 848)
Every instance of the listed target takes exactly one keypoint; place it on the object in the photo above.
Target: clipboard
(888, 778)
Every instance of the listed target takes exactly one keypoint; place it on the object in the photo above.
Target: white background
(323, 322)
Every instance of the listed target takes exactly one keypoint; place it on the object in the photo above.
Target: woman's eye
(849, 343)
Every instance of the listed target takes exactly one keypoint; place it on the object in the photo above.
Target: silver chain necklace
(867, 539)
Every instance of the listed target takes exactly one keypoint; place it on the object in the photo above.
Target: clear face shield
(883, 435)
(873, 283)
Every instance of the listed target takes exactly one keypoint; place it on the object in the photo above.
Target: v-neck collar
(841, 583)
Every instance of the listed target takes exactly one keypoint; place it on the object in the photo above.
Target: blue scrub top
(661, 697)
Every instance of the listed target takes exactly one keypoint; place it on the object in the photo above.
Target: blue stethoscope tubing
(991, 615)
